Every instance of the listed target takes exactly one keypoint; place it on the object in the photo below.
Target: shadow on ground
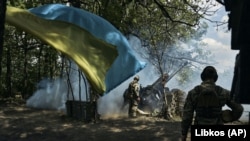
(20, 123)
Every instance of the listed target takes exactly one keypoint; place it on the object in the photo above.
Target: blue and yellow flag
(97, 69)
(94, 56)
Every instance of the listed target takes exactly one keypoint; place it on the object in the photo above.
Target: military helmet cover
(209, 72)
(137, 77)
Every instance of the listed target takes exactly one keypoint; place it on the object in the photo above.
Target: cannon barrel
(162, 80)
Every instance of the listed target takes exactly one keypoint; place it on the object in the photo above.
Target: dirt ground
(20, 123)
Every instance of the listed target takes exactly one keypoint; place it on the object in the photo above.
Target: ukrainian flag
(100, 50)
(94, 56)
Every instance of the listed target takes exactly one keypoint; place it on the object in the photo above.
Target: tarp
(124, 66)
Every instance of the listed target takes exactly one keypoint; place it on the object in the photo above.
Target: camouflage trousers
(132, 109)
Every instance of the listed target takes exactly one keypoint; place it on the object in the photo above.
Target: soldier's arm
(237, 108)
(137, 90)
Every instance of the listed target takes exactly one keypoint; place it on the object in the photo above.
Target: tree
(161, 25)
(2, 17)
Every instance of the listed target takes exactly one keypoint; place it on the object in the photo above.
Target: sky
(219, 42)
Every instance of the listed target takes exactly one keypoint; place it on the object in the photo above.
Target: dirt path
(19, 123)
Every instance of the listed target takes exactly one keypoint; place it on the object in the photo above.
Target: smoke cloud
(53, 94)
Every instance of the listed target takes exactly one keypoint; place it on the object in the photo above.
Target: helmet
(137, 78)
(209, 72)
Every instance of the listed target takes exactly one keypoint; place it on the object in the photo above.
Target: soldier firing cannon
(158, 100)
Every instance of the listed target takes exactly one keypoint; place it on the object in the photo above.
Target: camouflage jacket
(190, 103)
(134, 89)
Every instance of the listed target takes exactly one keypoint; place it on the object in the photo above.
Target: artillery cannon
(158, 100)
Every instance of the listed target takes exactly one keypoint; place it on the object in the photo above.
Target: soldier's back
(208, 106)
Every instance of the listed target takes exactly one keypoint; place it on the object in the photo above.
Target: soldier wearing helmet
(134, 96)
(206, 101)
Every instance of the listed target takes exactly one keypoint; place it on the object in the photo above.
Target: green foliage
(30, 61)
(160, 24)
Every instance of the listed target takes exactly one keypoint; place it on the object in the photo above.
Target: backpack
(126, 94)
(208, 103)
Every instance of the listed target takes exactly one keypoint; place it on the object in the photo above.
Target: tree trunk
(25, 74)
(2, 21)
(9, 74)
(51, 66)
(46, 64)
(39, 63)
(62, 65)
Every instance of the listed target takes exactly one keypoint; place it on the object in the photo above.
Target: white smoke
(53, 94)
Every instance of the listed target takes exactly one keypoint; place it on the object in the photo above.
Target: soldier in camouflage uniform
(213, 114)
(134, 96)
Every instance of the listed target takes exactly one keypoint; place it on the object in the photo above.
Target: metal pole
(69, 82)
(86, 87)
(80, 89)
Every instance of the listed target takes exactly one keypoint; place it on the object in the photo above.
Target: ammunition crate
(80, 110)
